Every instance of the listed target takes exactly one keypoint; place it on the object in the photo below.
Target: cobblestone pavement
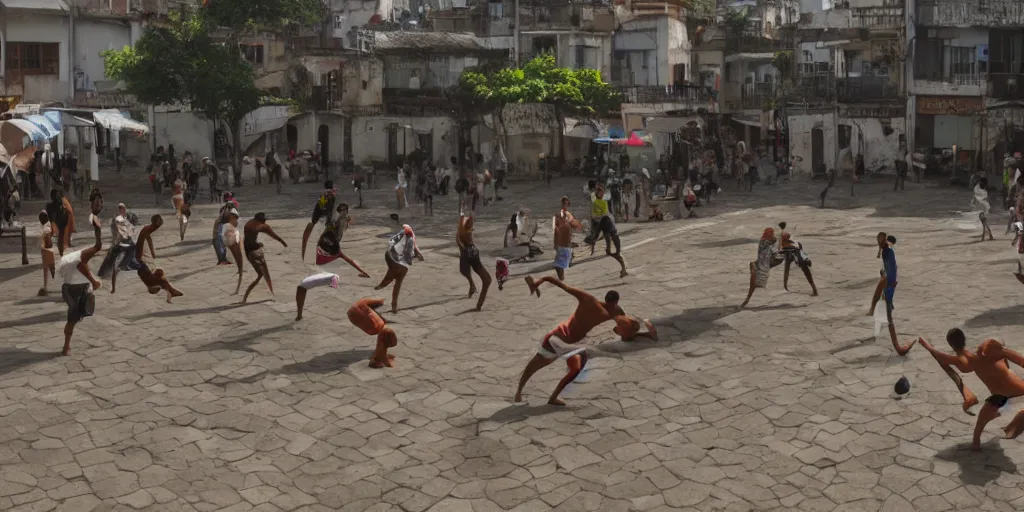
(209, 405)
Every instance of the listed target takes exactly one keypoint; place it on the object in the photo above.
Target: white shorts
(321, 279)
(560, 349)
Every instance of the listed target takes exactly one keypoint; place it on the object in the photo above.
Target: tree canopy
(579, 92)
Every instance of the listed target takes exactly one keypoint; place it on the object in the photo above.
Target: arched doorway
(292, 134)
(322, 138)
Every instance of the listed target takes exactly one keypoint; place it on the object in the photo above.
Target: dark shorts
(256, 257)
(320, 213)
(469, 257)
(80, 300)
(890, 291)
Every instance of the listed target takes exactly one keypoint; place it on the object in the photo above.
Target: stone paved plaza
(209, 405)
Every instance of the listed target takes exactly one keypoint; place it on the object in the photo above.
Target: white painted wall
(677, 42)
(653, 46)
(879, 150)
(370, 142)
(41, 28)
(91, 38)
(185, 130)
(800, 127)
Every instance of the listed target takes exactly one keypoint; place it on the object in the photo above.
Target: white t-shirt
(68, 268)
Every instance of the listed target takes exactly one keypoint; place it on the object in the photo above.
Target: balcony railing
(1006, 86)
(866, 89)
(748, 44)
(881, 17)
(665, 94)
(956, 79)
(757, 95)
(968, 13)
(816, 89)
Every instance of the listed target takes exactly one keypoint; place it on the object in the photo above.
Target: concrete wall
(879, 149)
(40, 28)
(185, 130)
(362, 81)
(678, 44)
(370, 139)
(307, 127)
(91, 38)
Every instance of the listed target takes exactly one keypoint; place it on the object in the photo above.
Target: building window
(32, 59)
(252, 53)
(496, 8)
(581, 57)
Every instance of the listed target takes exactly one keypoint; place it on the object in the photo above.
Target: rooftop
(439, 41)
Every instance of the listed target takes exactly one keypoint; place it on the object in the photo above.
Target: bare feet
(555, 401)
(376, 364)
(534, 289)
(902, 351)
(472, 291)
(42, 292)
(623, 274)
(518, 398)
(299, 317)
(970, 400)
(975, 447)
(814, 293)
(652, 332)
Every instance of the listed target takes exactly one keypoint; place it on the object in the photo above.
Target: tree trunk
(560, 117)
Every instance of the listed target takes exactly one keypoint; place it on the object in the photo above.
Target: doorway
(817, 150)
(292, 134)
(322, 139)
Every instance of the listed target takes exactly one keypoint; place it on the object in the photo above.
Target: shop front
(947, 122)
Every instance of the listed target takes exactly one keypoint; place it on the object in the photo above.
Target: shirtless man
(155, 280)
(628, 327)
(232, 242)
(469, 259)
(363, 316)
(565, 224)
(254, 250)
(46, 250)
(559, 342)
(323, 209)
(991, 364)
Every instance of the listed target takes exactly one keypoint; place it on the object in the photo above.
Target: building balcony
(753, 44)
(757, 95)
(886, 17)
(971, 13)
(814, 90)
(868, 89)
(665, 94)
(1006, 86)
(954, 84)
(566, 16)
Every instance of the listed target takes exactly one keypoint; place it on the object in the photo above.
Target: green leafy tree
(580, 92)
(180, 62)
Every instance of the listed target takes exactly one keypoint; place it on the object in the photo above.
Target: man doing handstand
(363, 316)
(558, 343)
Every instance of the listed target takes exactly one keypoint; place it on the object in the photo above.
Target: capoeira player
(181, 208)
(233, 242)
(46, 251)
(564, 225)
(981, 199)
(558, 343)
(767, 257)
(155, 280)
(328, 249)
(254, 250)
(79, 285)
(469, 259)
(323, 209)
(602, 223)
(363, 316)
(1018, 249)
(991, 364)
(889, 277)
(401, 251)
(793, 251)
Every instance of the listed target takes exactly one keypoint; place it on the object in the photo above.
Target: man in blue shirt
(889, 262)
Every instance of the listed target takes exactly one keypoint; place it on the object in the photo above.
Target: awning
(22, 109)
(36, 5)
(18, 134)
(48, 124)
(669, 124)
(756, 123)
(114, 120)
(68, 120)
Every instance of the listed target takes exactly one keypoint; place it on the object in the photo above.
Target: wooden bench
(18, 231)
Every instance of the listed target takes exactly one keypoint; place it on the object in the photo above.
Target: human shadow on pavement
(690, 323)
(522, 411)
(328, 363)
(243, 342)
(979, 468)
(14, 358)
(727, 243)
(1010, 315)
(773, 307)
(446, 300)
(45, 318)
(52, 297)
(12, 273)
(195, 311)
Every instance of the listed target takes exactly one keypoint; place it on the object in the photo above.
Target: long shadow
(327, 363)
(13, 359)
(773, 307)
(51, 298)
(979, 468)
(855, 285)
(691, 323)
(44, 318)
(727, 243)
(243, 342)
(187, 275)
(1011, 315)
(449, 298)
(12, 273)
(195, 311)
